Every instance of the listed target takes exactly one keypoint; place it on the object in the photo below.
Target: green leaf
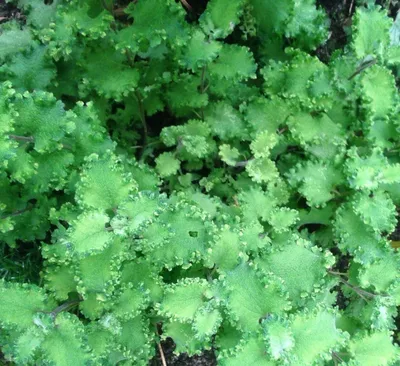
(64, 343)
(317, 181)
(184, 93)
(13, 39)
(252, 297)
(279, 337)
(130, 302)
(315, 336)
(30, 71)
(234, 63)
(266, 114)
(373, 349)
(263, 144)
(307, 128)
(199, 51)
(380, 274)
(143, 272)
(88, 233)
(221, 17)
(151, 27)
(377, 211)
(182, 300)
(97, 272)
(224, 121)
(224, 253)
(27, 345)
(60, 280)
(52, 170)
(271, 16)
(262, 170)
(39, 13)
(138, 212)
(251, 353)
(180, 235)
(379, 92)
(299, 281)
(184, 337)
(229, 155)
(281, 219)
(308, 25)
(119, 80)
(368, 41)
(104, 184)
(20, 303)
(50, 122)
(167, 164)
(365, 172)
(206, 322)
(135, 339)
(89, 136)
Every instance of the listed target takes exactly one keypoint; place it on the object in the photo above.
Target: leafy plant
(209, 180)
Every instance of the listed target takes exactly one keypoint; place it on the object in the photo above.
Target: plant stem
(131, 57)
(202, 87)
(17, 213)
(64, 307)
(31, 139)
(362, 67)
(109, 9)
(338, 273)
(186, 5)
(243, 163)
(360, 292)
(22, 138)
(211, 273)
(142, 117)
(163, 361)
(336, 357)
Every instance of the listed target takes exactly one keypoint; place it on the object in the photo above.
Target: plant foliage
(209, 180)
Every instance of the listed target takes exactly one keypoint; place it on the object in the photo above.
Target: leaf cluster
(211, 181)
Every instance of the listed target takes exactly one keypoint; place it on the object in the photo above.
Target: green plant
(209, 178)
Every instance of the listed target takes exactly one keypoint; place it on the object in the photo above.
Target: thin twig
(335, 356)
(142, 117)
(351, 7)
(202, 79)
(338, 273)
(31, 139)
(163, 361)
(109, 9)
(131, 57)
(211, 274)
(362, 293)
(63, 307)
(243, 163)
(357, 289)
(22, 138)
(18, 212)
(198, 115)
(202, 87)
(362, 67)
(186, 5)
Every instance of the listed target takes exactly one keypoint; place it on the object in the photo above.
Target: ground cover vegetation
(197, 171)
